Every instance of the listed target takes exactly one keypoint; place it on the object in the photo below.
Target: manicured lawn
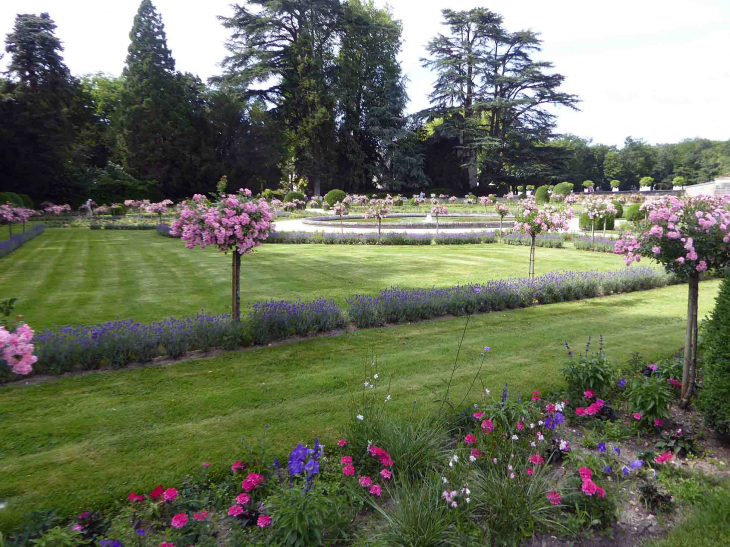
(77, 275)
(85, 442)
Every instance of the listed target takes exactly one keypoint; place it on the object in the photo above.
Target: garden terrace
(94, 438)
(407, 220)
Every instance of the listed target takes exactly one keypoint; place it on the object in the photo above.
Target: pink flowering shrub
(17, 350)
(533, 221)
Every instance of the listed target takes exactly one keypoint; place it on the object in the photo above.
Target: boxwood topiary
(563, 188)
(714, 399)
(333, 196)
(11, 197)
(633, 213)
(291, 196)
(585, 223)
(27, 202)
(542, 195)
(619, 209)
(269, 194)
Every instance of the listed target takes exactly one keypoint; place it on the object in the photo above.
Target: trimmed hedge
(388, 238)
(333, 196)
(542, 195)
(633, 213)
(11, 197)
(15, 242)
(27, 202)
(291, 196)
(619, 209)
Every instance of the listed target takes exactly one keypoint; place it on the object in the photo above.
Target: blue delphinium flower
(504, 394)
(570, 353)
(519, 398)
(601, 448)
(617, 450)
(622, 382)
(559, 418)
(607, 469)
(625, 470)
(141, 532)
(636, 464)
(296, 459)
(549, 423)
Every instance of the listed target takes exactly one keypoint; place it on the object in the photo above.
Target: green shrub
(714, 399)
(333, 196)
(542, 195)
(27, 202)
(563, 188)
(291, 196)
(585, 223)
(651, 396)
(269, 194)
(619, 209)
(633, 213)
(11, 197)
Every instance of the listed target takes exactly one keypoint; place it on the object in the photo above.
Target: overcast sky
(654, 69)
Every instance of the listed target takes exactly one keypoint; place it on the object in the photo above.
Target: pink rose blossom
(235, 510)
(263, 521)
(365, 481)
(179, 520)
(375, 490)
(348, 471)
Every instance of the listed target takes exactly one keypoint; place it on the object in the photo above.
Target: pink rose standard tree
(534, 221)
(234, 222)
(687, 236)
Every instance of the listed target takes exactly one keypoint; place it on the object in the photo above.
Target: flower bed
(600, 245)
(388, 238)
(396, 305)
(15, 242)
(551, 241)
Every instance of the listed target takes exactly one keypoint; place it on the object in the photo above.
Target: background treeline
(311, 96)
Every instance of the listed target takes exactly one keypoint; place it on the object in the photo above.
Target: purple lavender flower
(636, 464)
(601, 448)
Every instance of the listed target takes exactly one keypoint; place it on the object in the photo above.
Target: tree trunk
(593, 231)
(236, 286)
(473, 175)
(342, 227)
(379, 223)
(437, 224)
(531, 272)
(690, 342)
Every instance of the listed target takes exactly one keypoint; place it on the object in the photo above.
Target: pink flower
(201, 516)
(536, 395)
(476, 453)
(206, 464)
(346, 460)
(170, 494)
(656, 250)
(653, 366)
(580, 411)
(658, 422)
(470, 439)
(585, 473)
(348, 471)
(588, 394)
(520, 426)
(592, 409)
(478, 415)
(167, 544)
(589, 487)
(375, 490)
(263, 521)
(674, 382)
(341, 442)
(238, 466)
(77, 527)
(537, 459)
(664, 458)
(530, 471)
(600, 403)
(637, 416)
(235, 510)
(386, 474)
(553, 498)
(252, 481)
(550, 407)
(242, 498)
(179, 520)
(487, 426)
(365, 481)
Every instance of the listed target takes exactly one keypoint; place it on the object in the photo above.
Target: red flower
(135, 497)
(550, 407)
(553, 498)
(470, 439)
(238, 466)
(537, 459)
(580, 411)
(157, 492)
(252, 481)
(664, 458)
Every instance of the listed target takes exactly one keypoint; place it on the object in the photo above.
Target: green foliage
(651, 396)
(11, 197)
(588, 184)
(294, 194)
(615, 183)
(585, 222)
(653, 499)
(679, 181)
(333, 196)
(415, 445)
(588, 371)
(563, 188)
(59, 537)
(714, 399)
(619, 209)
(542, 195)
(300, 518)
(633, 213)
(600, 513)
(680, 444)
(646, 181)
(269, 194)
(27, 202)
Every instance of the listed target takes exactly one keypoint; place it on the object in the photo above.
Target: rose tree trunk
(690, 343)
(236, 286)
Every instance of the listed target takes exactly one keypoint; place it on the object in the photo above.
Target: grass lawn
(77, 275)
(84, 442)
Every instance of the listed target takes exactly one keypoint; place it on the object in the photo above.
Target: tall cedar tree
(493, 96)
(42, 107)
(155, 115)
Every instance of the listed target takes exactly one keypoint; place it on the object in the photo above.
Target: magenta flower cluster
(17, 350)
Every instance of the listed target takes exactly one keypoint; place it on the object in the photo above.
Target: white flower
(559, 407)
(466, 491)
(563, 445)
(540, 437)
(532, 444)
(387, 398)
(375, 377)
(532, 426)
(360, 417)
(487, 391)
(446, 481)
(453, 504)
(514, 437)
(511, 475)
(367, 384)
(456, 458)
(468, 500)
(540, 422)
(472, 459)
